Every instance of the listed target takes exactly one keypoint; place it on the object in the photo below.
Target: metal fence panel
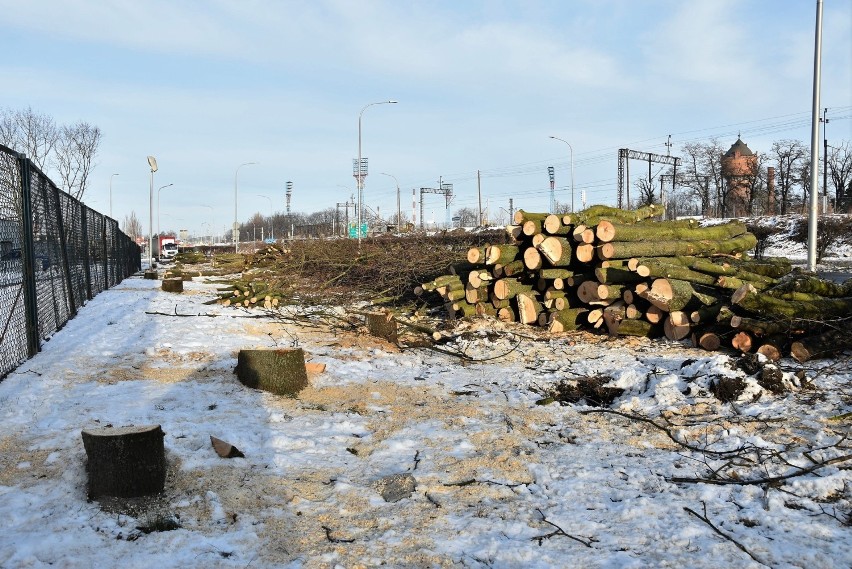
(55, 254)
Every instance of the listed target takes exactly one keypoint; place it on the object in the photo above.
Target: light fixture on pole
(158, 208)
(571, 148)
(110, 193)
(271, 225)
(212, 240)
(152, 162)
(360, 167)
(398, 210)
(235, 232)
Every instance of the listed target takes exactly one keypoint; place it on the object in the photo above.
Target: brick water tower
(739, 167)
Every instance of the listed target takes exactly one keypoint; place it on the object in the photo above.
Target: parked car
(13, 256)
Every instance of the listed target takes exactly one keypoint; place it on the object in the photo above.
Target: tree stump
(280, 370)
(125, 462)
(382, 325)
(173, 285)
(151, 275)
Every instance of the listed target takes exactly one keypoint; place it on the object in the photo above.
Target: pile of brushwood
(380, 270)
(636, 276)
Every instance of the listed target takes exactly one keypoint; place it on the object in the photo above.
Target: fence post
(104, 249)
(63, 247)
(28, 258)
(87, 272)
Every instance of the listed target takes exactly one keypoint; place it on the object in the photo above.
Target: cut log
(477, 255)
(533, 259)
(773, 346)
(585, 252)
(278, 370)
(521, 216)
(553, 225)
(614, 275)
(557, 250)
(674, 327)
(822, 345)
(509, 288)
(528, 308)
(532, 226)
(125, 462)
(748, 297)
(567, 319)
(556, 273)
(669, 294)
(641, 328)
(742, 341)
(501, 254)
(516, 267)
(709, 341)
(607, 231)
(627, 249)
(151, 275)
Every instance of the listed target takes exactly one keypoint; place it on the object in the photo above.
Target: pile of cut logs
(248, 294)
(640, 277)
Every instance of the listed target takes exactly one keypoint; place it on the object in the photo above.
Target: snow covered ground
(500, 481)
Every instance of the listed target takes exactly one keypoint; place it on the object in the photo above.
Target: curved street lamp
(571, 148)
(152, 162)
(398, 210)
(235, 232)
(359, 169)
(158, 207)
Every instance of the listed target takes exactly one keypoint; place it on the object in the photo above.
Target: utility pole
(511, 211)
(479, 193)
(824, 122)
(669, 146)
(551, 172)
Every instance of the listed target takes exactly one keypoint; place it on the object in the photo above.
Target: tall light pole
(110, 194)
(158, 207)
(271, 226)
(235, 232)
(571, 148)
(152, 162)
(814, 201)
(360, 171)
(398, 209)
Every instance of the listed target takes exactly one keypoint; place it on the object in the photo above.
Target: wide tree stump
(278, 370)
(125, 462)
(382, 325)
(151, 275)
(173, 285)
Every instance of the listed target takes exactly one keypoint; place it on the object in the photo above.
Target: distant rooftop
(739, 147)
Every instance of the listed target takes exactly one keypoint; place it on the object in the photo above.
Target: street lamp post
(571, 148)
(158, 207)
(235, 231)
(152, 162)
(211, 222)
(271, 226)
(398, 210)
(110, 193)
(358, 167)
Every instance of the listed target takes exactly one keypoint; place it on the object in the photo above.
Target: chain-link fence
(55, 254)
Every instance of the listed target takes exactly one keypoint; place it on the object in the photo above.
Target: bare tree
(789, 155)
(75, 153)
(840, 171)
(32, 133)
(468, 217)
(702, 173)
(132, 226)
(646, 191)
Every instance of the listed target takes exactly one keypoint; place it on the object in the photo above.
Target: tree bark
(280, 370)
(125, 462)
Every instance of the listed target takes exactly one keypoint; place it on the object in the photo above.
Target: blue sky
(481, 85)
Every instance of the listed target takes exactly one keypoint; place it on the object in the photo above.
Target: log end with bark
(173, 285)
